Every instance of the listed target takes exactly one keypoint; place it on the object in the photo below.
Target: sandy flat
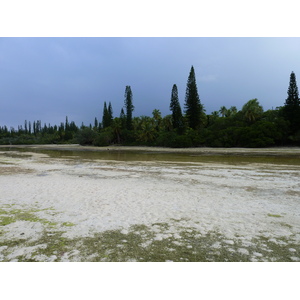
(246, 200)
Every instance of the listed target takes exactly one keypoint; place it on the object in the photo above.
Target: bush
(103, 139)
(86, 136)
(182, 141)
(165, 139)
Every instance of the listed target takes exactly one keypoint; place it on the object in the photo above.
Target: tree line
(191, 127)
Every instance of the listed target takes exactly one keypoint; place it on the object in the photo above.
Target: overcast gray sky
(48, 79)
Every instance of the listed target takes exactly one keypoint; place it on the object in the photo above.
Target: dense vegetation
(228, 127)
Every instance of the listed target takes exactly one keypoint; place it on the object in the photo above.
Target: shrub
(86, 136)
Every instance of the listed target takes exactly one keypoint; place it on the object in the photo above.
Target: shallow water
(131, 156)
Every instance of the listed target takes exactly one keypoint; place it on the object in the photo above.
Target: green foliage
(173, 140)
(223, 111)
(129, 107)
(123, 119)
(193, 107)
(249, 127)
(177, 119)
(104, 138)
(148, 131)
(291, 109)
(86, 136)
(117, 129)
(107, 115)
(293, 95)
(252, 111)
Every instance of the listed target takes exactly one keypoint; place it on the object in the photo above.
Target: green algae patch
(68, 224)
(274, 216)
(157, 242)
(5, 220)
(8, 216)
(153, 243)
(281, 249)
(286, 225)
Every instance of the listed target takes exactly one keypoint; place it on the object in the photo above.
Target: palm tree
(223, 111)
(136, 123)
(157, 118)
(212, 117)
(167, 123)
(233, 110)
(117, 127)
(215, 114)
(252, 110)
(147, 132)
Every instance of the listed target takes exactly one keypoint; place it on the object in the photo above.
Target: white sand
(97, 195)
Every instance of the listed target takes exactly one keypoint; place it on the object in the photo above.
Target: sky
(49, 78)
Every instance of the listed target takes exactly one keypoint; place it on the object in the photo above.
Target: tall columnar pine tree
(177, 120)
(67, 125)
(293, 95)
(96, 123)
(107, 115)
(104, 117)
(291, 108)
(123, 118)
(110, 114)
(193, 107)
(129, 107)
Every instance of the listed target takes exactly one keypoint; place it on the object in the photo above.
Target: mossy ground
(153, 243)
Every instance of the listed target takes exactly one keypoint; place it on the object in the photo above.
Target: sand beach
(74, 203)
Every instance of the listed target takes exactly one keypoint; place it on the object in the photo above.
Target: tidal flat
(72, 203)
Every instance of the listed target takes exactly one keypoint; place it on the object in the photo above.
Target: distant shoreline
(274, 151)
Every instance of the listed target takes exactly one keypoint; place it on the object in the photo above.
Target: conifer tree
(122, 113)
(129, 107)
(293, 95)
(25, 127)
(96, 123)
(110, 114)
(67, 124)
(291, 109)
(107, 115)
(176, 109)
(105, 118)
(193, 107)
(123, 118)
(34, 128)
